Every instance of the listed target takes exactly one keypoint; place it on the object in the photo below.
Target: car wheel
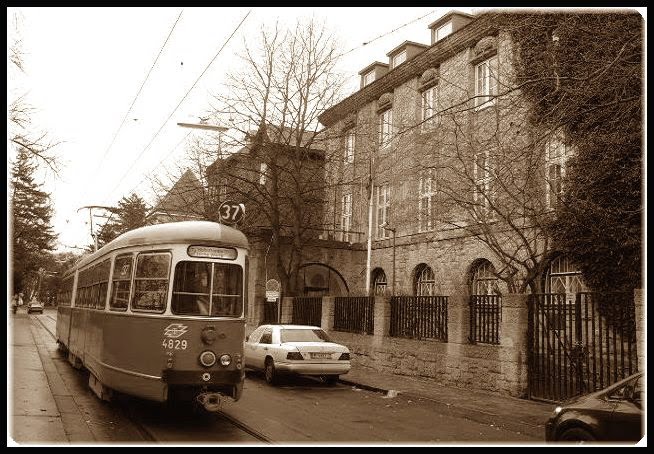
(330, 379)
(269, 372)
(576, 434)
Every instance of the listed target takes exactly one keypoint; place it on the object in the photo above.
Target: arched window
(379, 282)
(318, 279)
(485, 304)
(484, 279)
(425, 283)
(563, 276)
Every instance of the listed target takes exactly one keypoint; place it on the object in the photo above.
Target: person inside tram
(200, 287)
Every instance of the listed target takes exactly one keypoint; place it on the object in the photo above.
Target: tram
(159, 313)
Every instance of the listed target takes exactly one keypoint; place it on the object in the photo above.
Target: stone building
(461, 184)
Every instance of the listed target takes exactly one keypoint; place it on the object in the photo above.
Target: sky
(85, 66)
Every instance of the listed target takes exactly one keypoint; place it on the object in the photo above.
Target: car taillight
(294, 355)
(344, 357)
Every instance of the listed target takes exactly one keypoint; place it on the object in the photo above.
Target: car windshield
(304, 335)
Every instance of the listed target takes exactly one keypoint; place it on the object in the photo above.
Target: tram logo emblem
(175, 330)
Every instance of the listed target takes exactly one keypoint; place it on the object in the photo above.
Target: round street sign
(231, 212)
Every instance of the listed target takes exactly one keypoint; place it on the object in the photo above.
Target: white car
(35, 306)
(295, 349)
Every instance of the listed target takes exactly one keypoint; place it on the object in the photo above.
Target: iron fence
(354, 314)
(419, 317)
(307, 311)
(485, 318)
(270, 312)
(579, 343)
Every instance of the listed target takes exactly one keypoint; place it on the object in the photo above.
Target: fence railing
(307, 311)
(579, 343)
(270, 312)
(485, 318)
(419, 317)
(354, 314)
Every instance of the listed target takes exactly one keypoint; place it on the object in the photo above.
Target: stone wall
(498, 368)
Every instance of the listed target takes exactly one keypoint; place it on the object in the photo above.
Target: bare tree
(276, 165)
(21, 130)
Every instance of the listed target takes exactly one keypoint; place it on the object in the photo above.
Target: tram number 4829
(175, 344)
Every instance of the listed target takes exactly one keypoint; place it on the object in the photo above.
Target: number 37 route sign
(231, 212)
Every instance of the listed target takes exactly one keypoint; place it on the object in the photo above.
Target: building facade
(439, 161)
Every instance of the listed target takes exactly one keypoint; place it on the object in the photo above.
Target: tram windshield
(205, 288)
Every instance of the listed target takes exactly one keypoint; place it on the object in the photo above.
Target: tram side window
(83, 290)
(103, 277)
(191, 288)
(151, 282)
(227, 293)
(95, 287)
(121, 283)
(65, 292)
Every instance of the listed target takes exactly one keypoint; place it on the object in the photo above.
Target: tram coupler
(210, 401)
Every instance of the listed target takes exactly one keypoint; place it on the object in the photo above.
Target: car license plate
(321, 355)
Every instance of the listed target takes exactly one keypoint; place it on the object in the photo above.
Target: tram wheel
(269, 372)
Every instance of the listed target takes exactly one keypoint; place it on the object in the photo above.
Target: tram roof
(201, 232)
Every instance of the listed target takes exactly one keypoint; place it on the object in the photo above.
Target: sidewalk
(41, 407)
(519, 415)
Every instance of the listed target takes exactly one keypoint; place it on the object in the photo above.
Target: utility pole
(390, 229)
(90, 208)
(371, 182)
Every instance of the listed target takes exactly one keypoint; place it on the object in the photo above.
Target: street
(299, 410)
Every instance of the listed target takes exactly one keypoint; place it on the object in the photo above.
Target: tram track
(142, 429)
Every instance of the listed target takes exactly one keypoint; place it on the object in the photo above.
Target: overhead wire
(211, 62)
(178, 104)
(345, 53)
(113, 140)
(385, 34)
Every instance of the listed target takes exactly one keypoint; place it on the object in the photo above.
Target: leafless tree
(273, 156)
(21, 130)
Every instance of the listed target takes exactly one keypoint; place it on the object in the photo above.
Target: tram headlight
(207, 358)
(225, 360)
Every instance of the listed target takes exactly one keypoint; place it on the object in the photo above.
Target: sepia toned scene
(323, 226)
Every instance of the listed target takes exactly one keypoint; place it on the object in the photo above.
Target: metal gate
(579, 343)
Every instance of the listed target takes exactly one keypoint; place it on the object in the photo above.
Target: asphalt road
(299, 411)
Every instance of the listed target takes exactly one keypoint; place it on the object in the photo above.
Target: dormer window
(399, 59)
(443, 31)
(369, 78)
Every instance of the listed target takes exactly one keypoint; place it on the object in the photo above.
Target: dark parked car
(614, 413)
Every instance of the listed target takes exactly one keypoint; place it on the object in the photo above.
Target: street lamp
(207, 127)
(203, 126)
(385, 226)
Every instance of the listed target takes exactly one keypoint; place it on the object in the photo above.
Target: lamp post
(385, 226)
(207, 127)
